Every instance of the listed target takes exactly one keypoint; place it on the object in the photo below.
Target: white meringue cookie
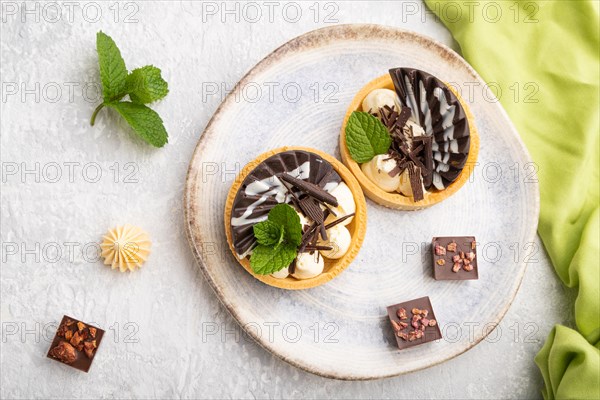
(339, 238)
(379, 98)
(308, 265)
(377, 170)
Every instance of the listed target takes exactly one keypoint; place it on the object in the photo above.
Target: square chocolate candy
(454, 258)
(414, 323)
(75, 343)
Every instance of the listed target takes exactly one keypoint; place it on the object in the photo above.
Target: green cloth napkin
(549, 50)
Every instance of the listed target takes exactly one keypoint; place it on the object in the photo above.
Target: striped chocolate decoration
(441, 116)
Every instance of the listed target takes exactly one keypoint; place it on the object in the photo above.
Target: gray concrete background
(157, 319)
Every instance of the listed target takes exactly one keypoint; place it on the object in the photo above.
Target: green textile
(543, 60)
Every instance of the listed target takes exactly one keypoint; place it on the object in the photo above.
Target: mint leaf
(266, 260)
(366, 137)
(284, 215)
(113, 72)
(268, 233)
(278, 239)
(146, 85)
(281, 235)
(144, 121)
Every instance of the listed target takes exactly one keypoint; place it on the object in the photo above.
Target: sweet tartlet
(409, 139)
(299, 205)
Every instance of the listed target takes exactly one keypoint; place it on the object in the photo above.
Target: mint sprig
(278, 239)
(143, 85)
(366, 137)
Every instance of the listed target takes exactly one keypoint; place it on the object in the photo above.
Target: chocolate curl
(311, 209)
(416, 182)
(339, 220)
(311, 189)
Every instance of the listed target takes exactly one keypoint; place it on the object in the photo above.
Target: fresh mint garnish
(278, 239)
(366, 137)
(284, 215)
(269, 233)
(266, 260)
(143, 85)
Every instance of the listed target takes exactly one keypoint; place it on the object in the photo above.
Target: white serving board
(298, 95)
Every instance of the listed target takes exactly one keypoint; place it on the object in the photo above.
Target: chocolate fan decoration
(437, 110)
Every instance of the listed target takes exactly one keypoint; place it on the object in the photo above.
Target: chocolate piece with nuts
(75, 343)
(413, 323)
(455, 258)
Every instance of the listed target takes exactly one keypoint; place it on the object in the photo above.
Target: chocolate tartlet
(434, 140)
(281, 176)
(261, 191)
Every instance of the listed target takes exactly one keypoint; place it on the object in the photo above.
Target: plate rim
(312, 39)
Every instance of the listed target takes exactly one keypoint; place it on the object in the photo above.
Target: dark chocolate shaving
(310, 189)
(339, 220)
(311, 209)
(306, 236)
(395, 171)
(427, 171)
(325, 179)
(408, 150)
(311, 235)
(295, 198)
(314, 239)
(394, 123)
(323, 231)
(415, 156)
(405, 113)
(309, 206)
(330, 210)
(416, 182)
(313, 248)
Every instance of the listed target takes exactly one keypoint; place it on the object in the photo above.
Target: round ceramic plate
(298, 95)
